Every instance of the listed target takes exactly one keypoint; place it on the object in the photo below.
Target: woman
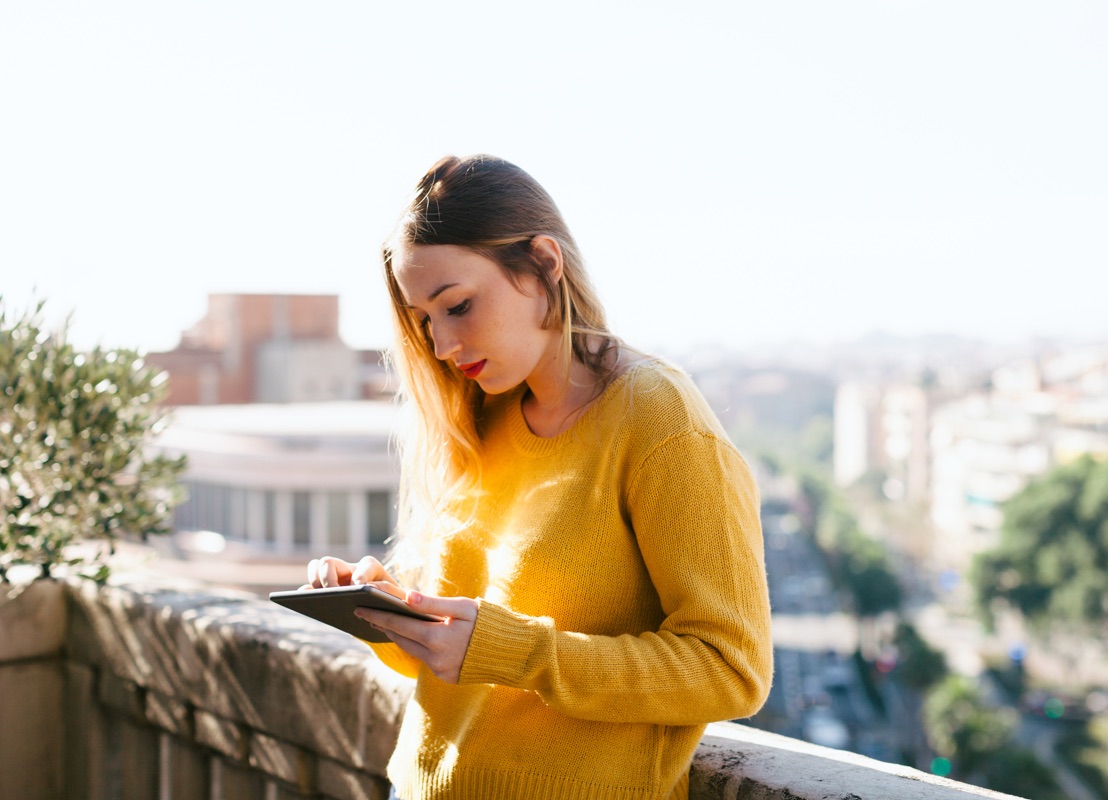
(572, 510)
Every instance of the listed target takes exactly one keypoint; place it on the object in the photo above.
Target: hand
(442, 645)
(331, 571)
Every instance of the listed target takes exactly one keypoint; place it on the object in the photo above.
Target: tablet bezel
(335, 606)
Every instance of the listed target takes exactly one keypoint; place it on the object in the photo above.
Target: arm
(694, 509)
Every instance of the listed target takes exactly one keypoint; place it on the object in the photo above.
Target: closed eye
(458, 310)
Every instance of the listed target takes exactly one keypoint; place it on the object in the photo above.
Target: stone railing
(147, 689)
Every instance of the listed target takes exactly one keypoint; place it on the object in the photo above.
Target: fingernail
(414, 598)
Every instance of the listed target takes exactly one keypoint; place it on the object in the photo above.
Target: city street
(817, 694)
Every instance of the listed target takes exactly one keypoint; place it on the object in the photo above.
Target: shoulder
(674, 439)
(661, 398)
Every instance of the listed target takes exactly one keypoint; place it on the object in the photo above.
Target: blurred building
(1039, 414)
(278, 481)
(267, 348)
(881, 431)
(963, 454)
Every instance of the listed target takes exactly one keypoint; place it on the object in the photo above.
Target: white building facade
(288, 480)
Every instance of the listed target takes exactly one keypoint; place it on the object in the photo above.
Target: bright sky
(736, 172)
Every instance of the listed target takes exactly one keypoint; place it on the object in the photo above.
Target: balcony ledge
(157, 688)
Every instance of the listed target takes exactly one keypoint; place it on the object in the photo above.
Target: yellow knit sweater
(623, 605)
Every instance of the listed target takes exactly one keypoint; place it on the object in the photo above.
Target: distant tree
(1052, 561)
(859, 564)
(815, 494)
(1017, 771)
(962, 727)
(73, 427)
(919, 666)
(871, 579)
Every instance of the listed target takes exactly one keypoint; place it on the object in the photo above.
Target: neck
(556, 397)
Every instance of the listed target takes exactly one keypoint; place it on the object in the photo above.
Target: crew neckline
(530, 443)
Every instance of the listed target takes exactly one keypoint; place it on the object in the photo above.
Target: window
(302, 518)
(338, 518)
(378, 517)
(269, 516)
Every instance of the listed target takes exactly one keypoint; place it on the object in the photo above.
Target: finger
(328, 574)
(452, 607)
(368, 570)
(441, 646)
(329, 571)
(408, 627)
(390, 588)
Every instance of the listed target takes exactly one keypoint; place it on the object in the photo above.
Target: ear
(549, 254)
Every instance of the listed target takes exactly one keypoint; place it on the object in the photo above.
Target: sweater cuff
(501, 646)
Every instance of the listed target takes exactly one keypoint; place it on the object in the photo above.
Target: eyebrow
(439, 291)
(434, 294)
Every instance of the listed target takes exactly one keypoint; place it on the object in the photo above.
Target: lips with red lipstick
(472, 370)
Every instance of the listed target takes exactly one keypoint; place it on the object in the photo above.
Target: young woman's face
(479, 320)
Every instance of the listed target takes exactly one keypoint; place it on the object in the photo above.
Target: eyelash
(453, 311)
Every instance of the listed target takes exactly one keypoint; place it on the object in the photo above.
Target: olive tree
(73, 471)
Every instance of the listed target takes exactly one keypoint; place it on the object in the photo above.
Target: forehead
(425, 271)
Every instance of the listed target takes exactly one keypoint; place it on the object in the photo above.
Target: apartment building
(269, 348)
(882, 430)
(964, 456)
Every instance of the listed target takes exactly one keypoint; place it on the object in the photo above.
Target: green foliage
(963, 728)
(858, 563)
(1017, 771)
(979, 739)
(871, 578)
(919, 665)
(1052, 561)
(1083, 749)
(72, 469)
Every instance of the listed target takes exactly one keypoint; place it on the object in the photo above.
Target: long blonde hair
(496, 209)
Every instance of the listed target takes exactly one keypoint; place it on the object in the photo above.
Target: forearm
(666, 677)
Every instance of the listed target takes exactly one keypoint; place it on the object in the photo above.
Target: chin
(495, 386)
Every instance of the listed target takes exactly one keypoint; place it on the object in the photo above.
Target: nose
(446, 343)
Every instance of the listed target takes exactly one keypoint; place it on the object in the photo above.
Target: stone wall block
(31, 729)
(141, 632)
(288, 763)
(141, 760)
(32, 620)
(184, 770)
(321, 688)
(121, 696)
(236, 782)
(169, 714)
(341, 782)
(221, 735)
(317, 686)
(387, 696)
(84, 736)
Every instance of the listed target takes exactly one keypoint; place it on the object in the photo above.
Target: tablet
(335, 606)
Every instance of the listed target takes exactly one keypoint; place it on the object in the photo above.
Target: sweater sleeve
(694, 510)
(395, 659)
